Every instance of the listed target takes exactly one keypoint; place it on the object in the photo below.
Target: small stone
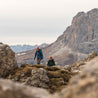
(23, 74)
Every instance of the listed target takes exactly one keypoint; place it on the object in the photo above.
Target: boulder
(83, 85)
(67, 67)
(9, 89)
(7, 60)
(52, 78)
(39, 78)
(80, 64)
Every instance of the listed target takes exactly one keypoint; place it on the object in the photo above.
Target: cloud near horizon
(38, 21)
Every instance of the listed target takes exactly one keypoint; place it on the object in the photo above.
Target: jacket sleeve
(48, 63)
(35, 55)
(53, 62)
(41, 54)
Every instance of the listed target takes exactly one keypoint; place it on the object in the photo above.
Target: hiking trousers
(38, 61)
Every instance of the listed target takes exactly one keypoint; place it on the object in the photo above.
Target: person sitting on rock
(51, 62)
(39, 55)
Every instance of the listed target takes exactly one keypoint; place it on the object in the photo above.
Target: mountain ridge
(76, 42)
(25, 47)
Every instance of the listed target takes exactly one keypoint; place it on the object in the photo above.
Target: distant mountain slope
(77, 41)
(21, 48)
(82, 35)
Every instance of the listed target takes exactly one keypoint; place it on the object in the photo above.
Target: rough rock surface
(76, 67)
(82, 35)
(7, 60)
(51, 78)
(77, 41)
(84, 85)
(9, 89)
(39, 78)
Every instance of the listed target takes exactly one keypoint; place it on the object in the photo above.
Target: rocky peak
(93, 11)
(83, 33)
(76, 42)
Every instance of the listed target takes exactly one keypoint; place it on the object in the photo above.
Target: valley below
(75, 74)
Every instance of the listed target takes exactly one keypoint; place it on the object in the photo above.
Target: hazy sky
(38, 21)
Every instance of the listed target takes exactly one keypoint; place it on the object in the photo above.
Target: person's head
(37, 48)
(51, 58)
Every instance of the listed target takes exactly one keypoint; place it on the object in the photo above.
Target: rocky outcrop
(77, 41)
(51, 78)
(83, 85)
(7, 60)
(39, 78)
(82, 35)
(76, 67)
(9, 89)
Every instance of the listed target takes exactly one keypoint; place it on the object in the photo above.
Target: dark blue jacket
(38, 54)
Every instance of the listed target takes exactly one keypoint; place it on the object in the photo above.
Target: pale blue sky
(38, 21)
